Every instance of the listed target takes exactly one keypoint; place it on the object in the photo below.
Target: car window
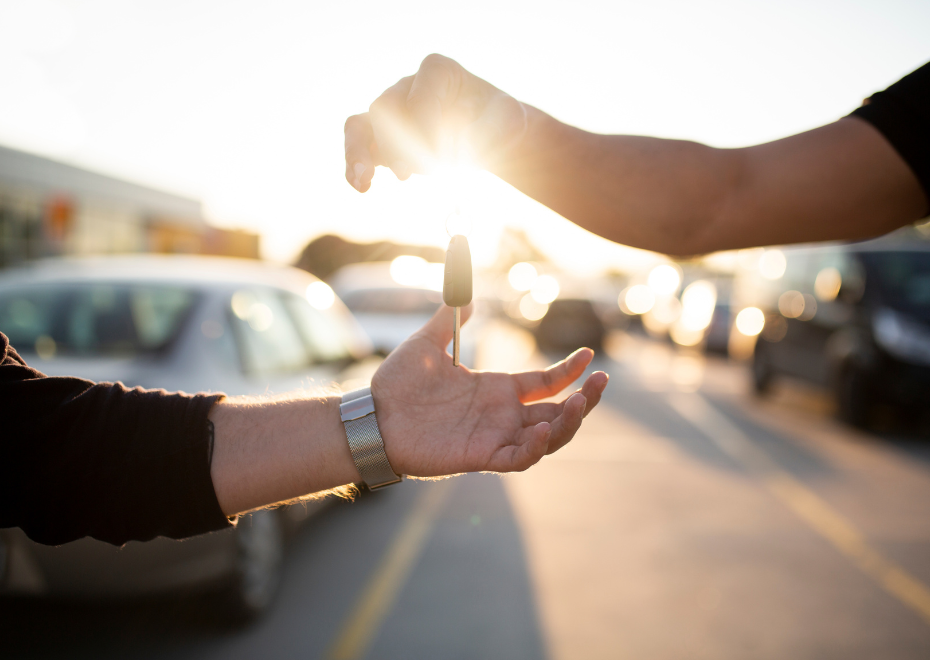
(797, 275)
(902, 279)
(268, 340)
(323, 334)
(393, 301)
(94, 319)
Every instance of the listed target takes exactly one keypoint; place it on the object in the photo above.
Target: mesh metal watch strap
(365, 443)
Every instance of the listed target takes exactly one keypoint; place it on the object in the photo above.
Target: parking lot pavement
(691, 520)
(688, 519)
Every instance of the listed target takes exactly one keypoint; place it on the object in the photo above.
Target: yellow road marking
(389, 578)
(809, 507)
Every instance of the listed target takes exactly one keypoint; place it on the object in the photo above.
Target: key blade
(456, 331)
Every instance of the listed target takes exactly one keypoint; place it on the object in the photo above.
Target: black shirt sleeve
(902, 114)
(98, 459)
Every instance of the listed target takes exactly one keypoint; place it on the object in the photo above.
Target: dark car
(854, 318)
(570, 323)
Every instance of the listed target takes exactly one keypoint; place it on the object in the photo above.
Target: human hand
(438, 112)
(436, 419)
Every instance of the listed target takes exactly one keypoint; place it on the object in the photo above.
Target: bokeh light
(685, 337)
(522, 276)
(666, 311)
(638, 299)
(320, 295)
(664, 280)
(242, 302)
(697, 306)
(434, 276)
(750, 321)
(545, 289)
(772, 264)
(791, 304)
(408, 270)
(531, 309)
(828, 283)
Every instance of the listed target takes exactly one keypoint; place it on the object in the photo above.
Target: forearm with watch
(268, 451)
(422, 417)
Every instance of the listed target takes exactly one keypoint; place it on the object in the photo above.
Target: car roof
(367, 276)
(882, 244)
(174, 269)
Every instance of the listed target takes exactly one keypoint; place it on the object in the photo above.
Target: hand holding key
(437, 419)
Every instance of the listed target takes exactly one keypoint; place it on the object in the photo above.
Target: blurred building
(48, 208)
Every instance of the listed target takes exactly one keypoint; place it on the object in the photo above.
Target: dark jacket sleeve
(97, 459)
(902, 114)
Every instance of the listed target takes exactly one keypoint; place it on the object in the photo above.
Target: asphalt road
(688, 519)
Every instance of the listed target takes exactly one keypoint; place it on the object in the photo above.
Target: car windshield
(94, 319)
(393, 301)
(903, 279)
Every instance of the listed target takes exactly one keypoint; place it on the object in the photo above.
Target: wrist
(517, 153)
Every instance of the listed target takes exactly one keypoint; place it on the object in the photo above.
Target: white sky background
(242, 104)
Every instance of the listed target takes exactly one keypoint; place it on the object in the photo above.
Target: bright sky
(242, 103)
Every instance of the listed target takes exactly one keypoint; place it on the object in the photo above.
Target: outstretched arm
(435, 420)
(840, 181)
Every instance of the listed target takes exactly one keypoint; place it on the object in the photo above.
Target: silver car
(179, 323)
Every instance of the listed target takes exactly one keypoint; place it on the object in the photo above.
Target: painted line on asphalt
(806, 504)
(389, 578)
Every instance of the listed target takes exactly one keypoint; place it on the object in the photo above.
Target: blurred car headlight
(320, 295)
(750, 321)
(901, 336)
(637, 299)
(697, 305)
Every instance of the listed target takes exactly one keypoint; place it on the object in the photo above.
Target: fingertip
(582, 357)
(359, 170)
(359, 175)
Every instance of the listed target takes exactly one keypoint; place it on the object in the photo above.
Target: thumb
(439, 328)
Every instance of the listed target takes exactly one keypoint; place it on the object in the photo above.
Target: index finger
(532, 385)
(360, 161)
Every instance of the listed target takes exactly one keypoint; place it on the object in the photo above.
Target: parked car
(390, 311)
(179, 323)
(854, 318)
(570, 323)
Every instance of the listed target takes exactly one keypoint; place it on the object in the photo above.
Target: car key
(456, 286)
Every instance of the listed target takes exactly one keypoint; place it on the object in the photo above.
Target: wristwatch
(358, 415)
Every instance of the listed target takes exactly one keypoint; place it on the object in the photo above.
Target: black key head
(456, 286)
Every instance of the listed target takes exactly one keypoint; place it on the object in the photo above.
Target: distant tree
(324, 255)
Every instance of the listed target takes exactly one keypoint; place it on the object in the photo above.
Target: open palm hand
(437, 419)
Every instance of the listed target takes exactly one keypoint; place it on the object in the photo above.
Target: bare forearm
(268, 451)
(840, 181)
(647, 192)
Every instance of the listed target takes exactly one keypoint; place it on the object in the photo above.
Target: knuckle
(378, 105)
(354, 123)
(547, 378)
(434, 60)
